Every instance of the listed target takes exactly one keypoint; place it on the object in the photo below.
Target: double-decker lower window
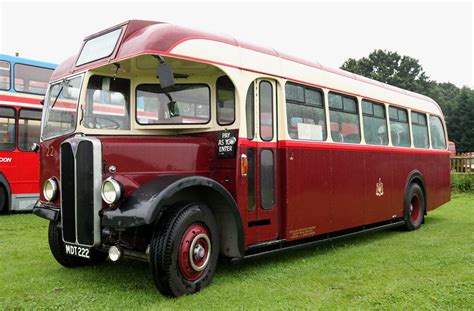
(177, 104)
(7, 128)
(344, 117)
(438, 140)
(420, 130)
(399, 127)
(375, 123)
(29, 126)
(305, 112)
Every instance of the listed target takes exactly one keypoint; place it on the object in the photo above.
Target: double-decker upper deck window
(177, 104)
(29, 126)
(99, 47)
(420, 130)
(107, 103)
(375, 123)
(32, 79)
(305, 112)
(4, 75)
(438, 140)
(344, 117)
(225, 101)
(399, 127)
(7, 128)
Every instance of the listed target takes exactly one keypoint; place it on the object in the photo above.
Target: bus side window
(399, 127)
(4, 75)
(305, 112)
(31, 79)
(344, 117)
(420, 130)
(29, 124)
(7, 128)
(375, 123)
(225, 101)
(438, 140)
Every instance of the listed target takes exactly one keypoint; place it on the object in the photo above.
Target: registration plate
(78, 251)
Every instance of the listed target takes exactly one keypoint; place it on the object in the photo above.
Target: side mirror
(35, 147)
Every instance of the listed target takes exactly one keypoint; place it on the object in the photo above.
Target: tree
(461, 129)
(391, 68)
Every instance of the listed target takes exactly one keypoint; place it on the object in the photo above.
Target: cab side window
(438, 140)
(225, 101)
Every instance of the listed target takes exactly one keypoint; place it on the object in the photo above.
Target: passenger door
(263, 203)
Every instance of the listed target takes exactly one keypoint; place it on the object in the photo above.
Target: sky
(438, 34)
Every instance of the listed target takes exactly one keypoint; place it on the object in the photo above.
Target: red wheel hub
(194, 252)
(415, 209)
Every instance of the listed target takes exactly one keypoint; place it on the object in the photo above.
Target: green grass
(432, 268)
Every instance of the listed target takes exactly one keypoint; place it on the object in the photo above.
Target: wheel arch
(416, 176)
(6, 185)
(148, 203)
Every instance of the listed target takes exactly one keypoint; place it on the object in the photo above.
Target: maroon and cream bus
(179, 147)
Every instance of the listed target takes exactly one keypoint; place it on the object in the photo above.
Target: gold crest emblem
(379, 188)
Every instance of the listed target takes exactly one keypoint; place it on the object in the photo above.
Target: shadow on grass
(133, 277)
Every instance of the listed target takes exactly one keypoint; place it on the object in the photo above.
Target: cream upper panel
(246, 59)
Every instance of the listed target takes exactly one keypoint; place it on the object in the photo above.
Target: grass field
(432, 268)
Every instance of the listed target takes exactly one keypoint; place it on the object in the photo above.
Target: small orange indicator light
(244, 165)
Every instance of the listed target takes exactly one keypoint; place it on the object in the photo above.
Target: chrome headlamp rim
(117, 189)
(54, 189)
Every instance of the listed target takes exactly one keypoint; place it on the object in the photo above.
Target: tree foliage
(407, 73)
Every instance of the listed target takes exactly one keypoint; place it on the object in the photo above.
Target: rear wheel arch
(5, 186)
(416, 176)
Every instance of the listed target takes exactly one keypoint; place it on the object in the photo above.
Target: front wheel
(184, 249)
(58, 250)
(414, 207)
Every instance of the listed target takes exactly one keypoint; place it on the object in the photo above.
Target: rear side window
(32, 79)
(29, 127)
(375, 123)
(7, 128)
(420, 130)
(4, 75)
(225, 101)
(399, 127)
(305, 112)
(344, 117)
(438, 140)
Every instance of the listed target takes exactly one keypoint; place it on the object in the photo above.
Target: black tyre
(414, 210)
(184, 249)
(3, 200)
(56, 245)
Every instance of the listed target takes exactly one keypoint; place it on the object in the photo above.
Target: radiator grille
(80, 190)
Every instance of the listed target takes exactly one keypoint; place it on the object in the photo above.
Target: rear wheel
(184, 250)
(414, 207)
(58, 250)
(3, 200)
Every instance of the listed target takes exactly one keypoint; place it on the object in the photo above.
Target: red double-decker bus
(23, 83)
(178, 147)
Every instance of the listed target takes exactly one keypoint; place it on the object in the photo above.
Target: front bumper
(46, 211)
